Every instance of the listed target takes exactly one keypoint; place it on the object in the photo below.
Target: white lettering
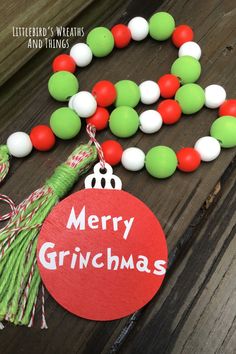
(51, 265)
(93, 221)
(142, 265)
(111, 259)
(160, 270)
(116, 222)
(80, 221)
(83, 261)
(95, 264)
(74, 258)
(127, 263)
(128, 225)
(62, 255)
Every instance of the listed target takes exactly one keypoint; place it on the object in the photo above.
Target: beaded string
(178, 88)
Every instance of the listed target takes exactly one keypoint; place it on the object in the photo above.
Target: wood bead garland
(182, 95)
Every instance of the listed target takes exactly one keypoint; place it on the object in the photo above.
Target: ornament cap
(103, 178)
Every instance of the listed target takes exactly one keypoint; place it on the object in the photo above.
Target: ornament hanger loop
(91, 130)
(103, 178)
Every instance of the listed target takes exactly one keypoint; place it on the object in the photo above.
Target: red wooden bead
(122, 35)
(99, 119)
(112, 151)
(181, 35)
(168, 85)
(228, 108)
(104, 92)
(188, 159)
(42, 137)
(64, 62)
(170, 111)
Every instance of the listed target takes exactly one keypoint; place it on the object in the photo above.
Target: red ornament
(42, 137)
(64, 62)
(99, 119)
(188, 159)
(168, 85)
(170, 111)
(102, 254)
(122, 35)
(181, 35)
(228, 108)
(104, 92)
(112, 151)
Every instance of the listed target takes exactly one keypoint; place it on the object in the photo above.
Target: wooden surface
(34, 13)
(195, 310)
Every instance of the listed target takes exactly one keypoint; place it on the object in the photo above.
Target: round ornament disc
(102, 254)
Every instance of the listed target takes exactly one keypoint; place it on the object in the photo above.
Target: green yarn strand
(4, 161)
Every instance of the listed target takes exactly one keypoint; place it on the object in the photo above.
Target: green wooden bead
(65, 123)
(191, 98)
(187, 69)
(124, 122)
(128, 93)
(161, 162)
(161, 26)
(62, 85)
(101, 41)
(224, 130)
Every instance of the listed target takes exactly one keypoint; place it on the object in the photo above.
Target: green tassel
(19, 275)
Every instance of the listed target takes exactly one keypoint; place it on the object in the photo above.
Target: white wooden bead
(150, 121)
(190, 48)
(215, 95)
(133, 159)
(139, 28)
(19, 144)
(82, 54)
(208, 147)
(149, 91)
(84, 104)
